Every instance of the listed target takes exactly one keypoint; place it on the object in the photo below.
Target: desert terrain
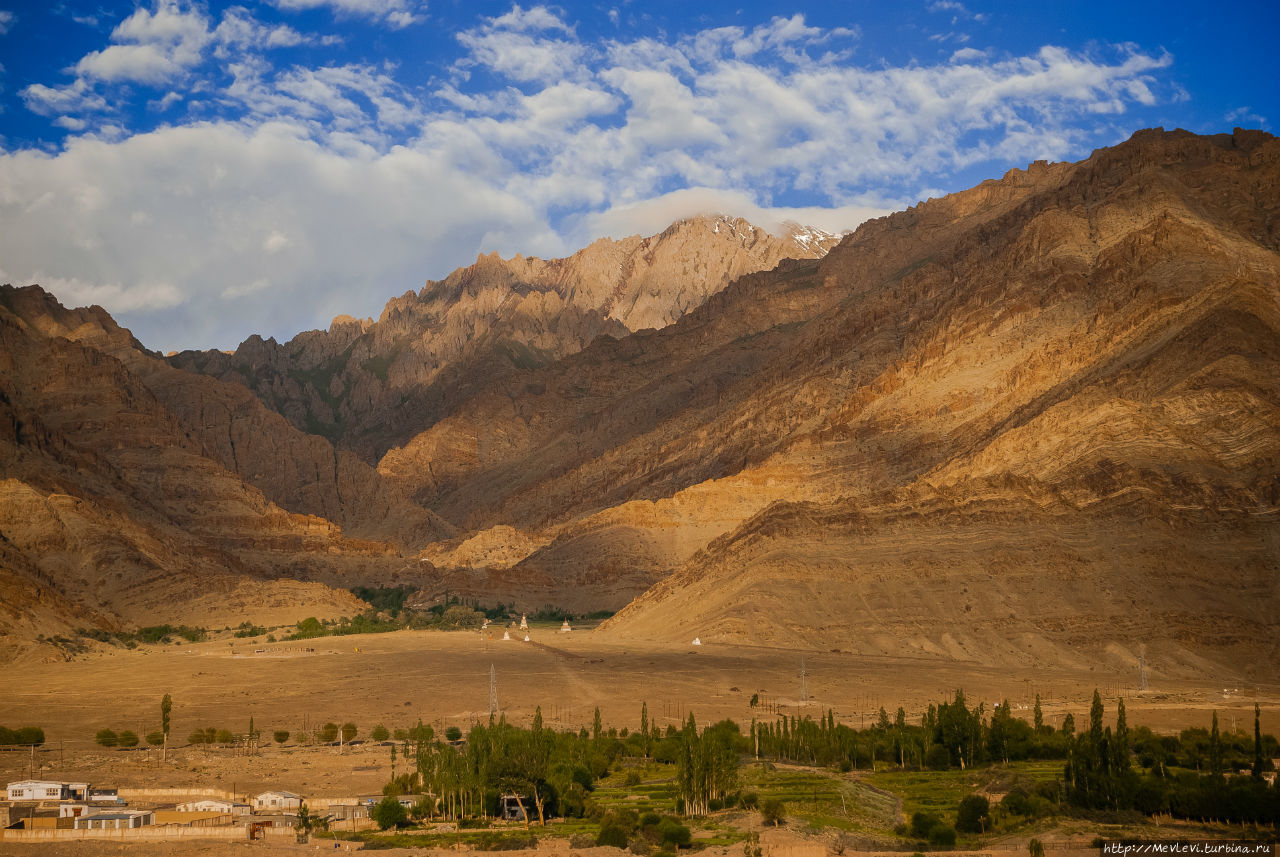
(442, 678)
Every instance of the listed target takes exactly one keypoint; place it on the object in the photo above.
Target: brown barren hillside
(1053, 435)
(129, 496)
(371, 385)
(1035, 422)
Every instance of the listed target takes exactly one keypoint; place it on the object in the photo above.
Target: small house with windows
(277, 801)
(228, 807)
(47, 790)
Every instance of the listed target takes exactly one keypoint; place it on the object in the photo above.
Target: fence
(137, 834)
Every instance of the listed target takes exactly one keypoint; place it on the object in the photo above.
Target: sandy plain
(443, 678)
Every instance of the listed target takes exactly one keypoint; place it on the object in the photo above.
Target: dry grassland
(443, 678)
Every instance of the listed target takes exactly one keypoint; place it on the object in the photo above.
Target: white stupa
(526, 638)
(506, 635)
(564, 629)
(697, 641)
(524, 623)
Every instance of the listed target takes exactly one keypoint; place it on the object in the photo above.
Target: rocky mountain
(133, 493)
(1034, 422)
(368, 386)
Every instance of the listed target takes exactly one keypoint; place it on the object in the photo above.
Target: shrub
(224, 736)
(772, 811)
(196, 737)
(672, 832)
(453, 733)
(922, 823)
(280, 735)
(750, 800)
(942, 836)
(379, 733)
(389, 813)
(974, 814)
(612, 834)
(107, 737)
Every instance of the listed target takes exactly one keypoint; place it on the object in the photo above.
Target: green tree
(348, 731)
(1035, 848)
(974, 814)
(280, 735)
(166, 706)
(127, 738)
(1037, 715)
(196, 737)
(773, 811)
(942, 836)
(107, 737)
(1256, 770)
(329, 733)
(596, 728)
(379, 733)
(1215, 749)
(452, 733)
(389, 813)
(304, 823)
(155, 739)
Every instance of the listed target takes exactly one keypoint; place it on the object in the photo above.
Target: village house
(47, 790)
(229, 807)
(116, 819)
(277, 801)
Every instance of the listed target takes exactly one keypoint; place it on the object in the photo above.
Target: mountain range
(1033, 422)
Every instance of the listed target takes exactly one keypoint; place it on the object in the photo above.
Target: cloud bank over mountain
(261, 168)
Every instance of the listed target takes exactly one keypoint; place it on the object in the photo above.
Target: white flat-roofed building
(46, 790)
(116, 819)
(276, 801)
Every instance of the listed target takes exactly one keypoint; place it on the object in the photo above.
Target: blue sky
(208, 170)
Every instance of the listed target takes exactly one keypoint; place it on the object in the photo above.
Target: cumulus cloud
(236, 231)
(323, 189)
(151, 47)
(7, 20)
(398, 14)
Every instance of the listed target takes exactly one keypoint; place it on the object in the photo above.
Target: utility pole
(493, 691)
(804, 689)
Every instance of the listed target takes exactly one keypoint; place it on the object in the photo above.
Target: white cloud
(512, 45)
(654, 215)
(396, 13)
(151, 47)
(115, 297)
(327, 189)
(75, 97)
(7, 20)
(210, 200)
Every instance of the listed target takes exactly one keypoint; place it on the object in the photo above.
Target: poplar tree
(1257, 743)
